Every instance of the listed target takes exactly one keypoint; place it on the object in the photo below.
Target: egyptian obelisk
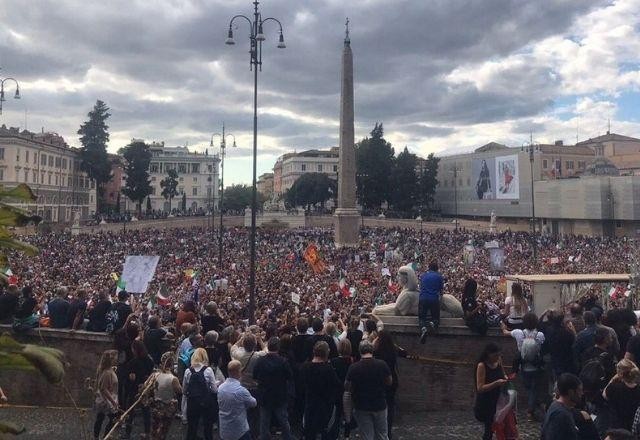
(347, 222)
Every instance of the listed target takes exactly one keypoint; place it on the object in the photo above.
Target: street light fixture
(15, 96)
(256, 37)
(530, 149)
(455, 170)
(223, 147)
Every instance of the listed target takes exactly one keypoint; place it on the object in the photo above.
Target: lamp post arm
(262, 22)
(246, 18)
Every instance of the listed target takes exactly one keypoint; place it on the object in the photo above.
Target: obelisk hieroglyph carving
(347, 233)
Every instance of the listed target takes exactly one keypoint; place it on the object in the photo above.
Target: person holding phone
(490, 376)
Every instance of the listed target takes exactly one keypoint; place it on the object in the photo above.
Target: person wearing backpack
(529, 343)
(200, 390)
(597, 368)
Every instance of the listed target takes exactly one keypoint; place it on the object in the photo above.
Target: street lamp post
(15, 96)
(256, 37)
(223, 147)
(534, 240)
(455, 191)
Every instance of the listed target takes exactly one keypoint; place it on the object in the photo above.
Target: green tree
(374, 162)
(94, 159)
(310, 189)
(183, 205)
(404, 182)
(148, 204)
(169, 186)
(138, 158)
(238, 197)
(428, 181)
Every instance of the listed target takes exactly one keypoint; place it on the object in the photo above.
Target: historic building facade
(51, 168)
(289, 167)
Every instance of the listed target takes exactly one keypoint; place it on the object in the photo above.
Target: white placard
(138, 272)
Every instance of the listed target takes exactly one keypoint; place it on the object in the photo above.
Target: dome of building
(601, 166)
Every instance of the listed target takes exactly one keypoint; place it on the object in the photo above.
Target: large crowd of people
(315, 363)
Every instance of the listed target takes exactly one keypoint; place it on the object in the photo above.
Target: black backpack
(593, 374)
(198, 391)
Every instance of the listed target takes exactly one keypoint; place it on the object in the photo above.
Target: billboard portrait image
(507, 177)
(483, 172)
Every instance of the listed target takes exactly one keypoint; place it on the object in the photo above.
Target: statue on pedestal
(407, 302)
(492, 223)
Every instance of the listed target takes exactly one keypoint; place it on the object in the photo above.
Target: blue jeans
(372, 424)
(429, 306)
(281, 416)
(529, 381)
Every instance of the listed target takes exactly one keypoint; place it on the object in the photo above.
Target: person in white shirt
(200, 389)
(233, 402)
(529, 342)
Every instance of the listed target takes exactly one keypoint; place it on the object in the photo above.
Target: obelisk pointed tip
(347, 40)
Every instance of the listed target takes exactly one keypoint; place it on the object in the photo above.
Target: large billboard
(496, 178)
(507, 177)
(483, 175)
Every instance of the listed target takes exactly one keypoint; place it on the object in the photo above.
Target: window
(581, 164)
(56, 179)
(35, 157)
(468, 181)
(26, 156)
(153, 190)
(153, 179)
(1, 153)
(195, 168)
(43, 159)
(209, 168)
(69, 182)
(182, 167)
(18, 154)
(209, 192)
(319, 167)
(35, 176)
(545, 164)
(304, 167)
(50, 161)
(181, 189)
(26, 176)
(195, 180)
(181, 179)
(1, 174)
(42, 177)
(49, 178)
(195, 191)
(154, 168)
(58, 162)
(64, 164)
(335, 168)
(569, 164)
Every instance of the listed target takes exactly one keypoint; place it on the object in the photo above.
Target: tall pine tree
(404, 182)
(374, 162)
(428, 181)
(94, 160)
(137, 186)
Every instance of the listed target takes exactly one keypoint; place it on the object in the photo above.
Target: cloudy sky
(443, 76)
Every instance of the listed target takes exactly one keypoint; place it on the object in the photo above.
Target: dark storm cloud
(175, 49)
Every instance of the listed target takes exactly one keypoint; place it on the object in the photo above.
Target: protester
(234, 400)
(186, 314)
(341, 366)
(98, 314)
(273, 375)
(9, 304)
(529, 343)
(490, 376)
(154, 338)
(106, 390)
(619, 434)
(475, 316)
(59, 309)
(623, 394)
(367, 381)
(25, 316)
(200, 389)
(164, 404)
(247, 352)
(586, 338)
(321, 389)
(119, 313)
(558, 335)
(431, 285)
(515, 307)
(386, 350)
(137, 371)
(77, 310)
(317, 336)
(212, 320)
(559, 423)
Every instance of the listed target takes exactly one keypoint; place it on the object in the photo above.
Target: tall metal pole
(254, 195)
(455, 196)
(533, 205)
(223, 148)
(256, 39)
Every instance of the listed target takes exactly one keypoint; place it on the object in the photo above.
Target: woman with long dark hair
(138, 370)
(385, 349)
(490, 376)
(475, 316)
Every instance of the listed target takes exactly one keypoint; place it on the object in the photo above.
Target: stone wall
(82, 350)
